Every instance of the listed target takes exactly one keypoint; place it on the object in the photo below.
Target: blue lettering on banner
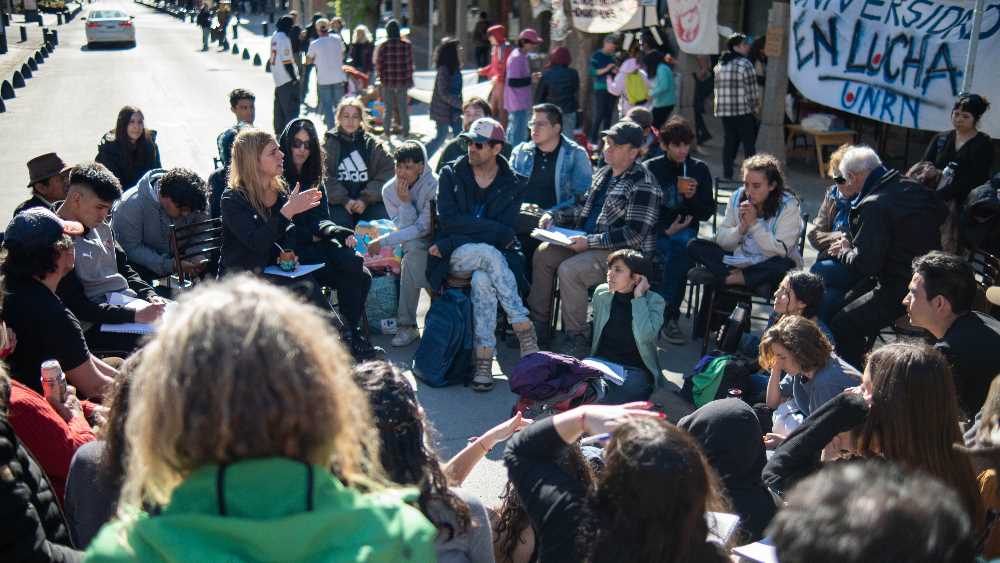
(897, 61)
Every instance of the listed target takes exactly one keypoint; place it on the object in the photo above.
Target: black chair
(745, 294)
(722, 192)
(202, 241)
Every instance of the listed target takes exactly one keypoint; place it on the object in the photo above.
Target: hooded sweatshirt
(270, 509)
(730, 435)
(142, 227)
(414, 218)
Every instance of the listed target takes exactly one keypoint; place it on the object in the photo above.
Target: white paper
(721, 526)
(556, 235)
(134, 304)
(757, 552)
(615, 373)
(737, 261)
(298, 272)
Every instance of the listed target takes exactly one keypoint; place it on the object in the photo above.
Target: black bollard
(59, 18)
(25, 70)
(32, 64)
(236, 29)
(17, 80)
(246, 54)
(263, 29)
(38, 58)
(236, 49)
(267, 67)
(256, 59)
(6, 90)
(24, 33)
(3, 108)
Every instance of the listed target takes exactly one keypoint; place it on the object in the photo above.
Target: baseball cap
(529, 35)
(483, 130)
(37, 228)
(625, 133)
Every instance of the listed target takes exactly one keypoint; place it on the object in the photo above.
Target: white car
(109, 25)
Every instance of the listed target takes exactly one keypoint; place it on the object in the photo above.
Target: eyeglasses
(532, 124)
(300, 144)
(839, 180)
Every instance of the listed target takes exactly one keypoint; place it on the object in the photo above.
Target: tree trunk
(772, 130)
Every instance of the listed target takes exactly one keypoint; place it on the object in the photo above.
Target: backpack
(445, 354)
(636, 90)
(714, 375)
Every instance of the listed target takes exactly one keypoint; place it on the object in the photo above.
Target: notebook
(129, 303)
(556, 235)
(615, 373)
(298, 272)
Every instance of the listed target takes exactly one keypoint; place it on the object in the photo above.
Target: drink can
(53, 381)
(736, 393)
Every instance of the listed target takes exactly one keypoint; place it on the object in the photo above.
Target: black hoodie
(731, 437)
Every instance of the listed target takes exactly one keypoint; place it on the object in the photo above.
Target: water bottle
(947, 175)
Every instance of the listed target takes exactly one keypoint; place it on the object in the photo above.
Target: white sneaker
(405, 335)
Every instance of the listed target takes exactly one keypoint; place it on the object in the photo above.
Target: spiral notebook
(130, 328)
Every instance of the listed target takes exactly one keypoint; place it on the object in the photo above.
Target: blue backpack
(445, 354)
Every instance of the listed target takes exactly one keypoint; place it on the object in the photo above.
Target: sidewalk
(19, 62)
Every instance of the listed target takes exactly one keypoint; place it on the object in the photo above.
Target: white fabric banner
(695, 24)
(603, 16)
(900, 61)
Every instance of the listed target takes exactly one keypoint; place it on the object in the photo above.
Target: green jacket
(647, 318)
(272, 513)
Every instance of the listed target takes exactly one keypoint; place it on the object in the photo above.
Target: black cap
(625, 133)
(36, 228)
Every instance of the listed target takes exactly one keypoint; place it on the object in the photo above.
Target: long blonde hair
(244, 173)
(238, 370)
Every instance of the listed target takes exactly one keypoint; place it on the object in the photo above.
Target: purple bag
(543, 375)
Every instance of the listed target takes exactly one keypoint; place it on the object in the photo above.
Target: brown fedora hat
(43, 167)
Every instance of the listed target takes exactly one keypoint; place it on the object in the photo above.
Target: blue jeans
(517, 126)
(329, 97)
(442, 134)
(676, 263)
(838, 280)
(638, 386)
(569, 124)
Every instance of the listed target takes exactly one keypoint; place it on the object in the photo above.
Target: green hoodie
(268, 518)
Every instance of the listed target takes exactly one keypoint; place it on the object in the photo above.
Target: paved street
(182, 91)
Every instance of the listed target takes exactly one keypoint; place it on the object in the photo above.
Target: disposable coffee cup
(686, 185)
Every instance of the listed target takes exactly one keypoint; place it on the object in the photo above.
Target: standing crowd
(255, 421)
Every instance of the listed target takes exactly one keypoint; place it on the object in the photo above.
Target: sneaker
(672, 333)
(701, 275)
(405, 336)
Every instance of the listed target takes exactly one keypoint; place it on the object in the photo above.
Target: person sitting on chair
(758, 239)
(144, 216)
(479, 197)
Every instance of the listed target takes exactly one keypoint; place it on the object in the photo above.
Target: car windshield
(108, 15)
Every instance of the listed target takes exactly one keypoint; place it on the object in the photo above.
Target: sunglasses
(300, 144)
(479, 145)
(839, 180)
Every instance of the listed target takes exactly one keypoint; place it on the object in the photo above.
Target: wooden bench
(821, 139)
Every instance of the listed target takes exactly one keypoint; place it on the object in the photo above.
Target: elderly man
(892, 221)
(620, 211)
(47, 178)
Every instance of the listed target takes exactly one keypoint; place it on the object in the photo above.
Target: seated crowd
(247, 417)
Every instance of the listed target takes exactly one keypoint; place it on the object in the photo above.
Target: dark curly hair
(770, 167)
(37, 263)
(652, 496)
(511, 519)
(808, 288)
(96, 177)
(185, 189)
(404, 454)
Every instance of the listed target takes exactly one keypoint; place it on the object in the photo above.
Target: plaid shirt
(736, 91)
(631, 209)
(394, 62)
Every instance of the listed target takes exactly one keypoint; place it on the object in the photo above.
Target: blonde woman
(357, 166)
(246, 429)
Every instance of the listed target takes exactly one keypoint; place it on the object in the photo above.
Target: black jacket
(799, 455)
(111, 154)
(249, 241)
(974, 161)
(34, 528)
(895, 220)
(979, 226)
(36, 201)
(560, 85)
(459, 224)
(217, 183)
(73, 294)
(702, 206)
(730, 435)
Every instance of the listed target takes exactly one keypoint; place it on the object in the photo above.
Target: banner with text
(896, 61)
(695, 25)
(603, 16)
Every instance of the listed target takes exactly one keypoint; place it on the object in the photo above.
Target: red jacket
(49, 438)
(497, 69)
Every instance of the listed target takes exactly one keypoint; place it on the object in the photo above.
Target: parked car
(109, 25)
(52, 6)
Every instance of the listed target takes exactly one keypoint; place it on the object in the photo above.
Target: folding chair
(202, 240)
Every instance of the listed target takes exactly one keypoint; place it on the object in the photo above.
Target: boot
(482, 380)
(526, 337)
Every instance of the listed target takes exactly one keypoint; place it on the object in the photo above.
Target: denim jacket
(573, 170)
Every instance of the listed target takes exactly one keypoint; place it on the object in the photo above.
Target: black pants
(344, 218)
(859, 322)
(763, 278)
(737, 130)
(702, 92)
(661, 115)
(604, 108)
(286, 105)
(345, 273)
